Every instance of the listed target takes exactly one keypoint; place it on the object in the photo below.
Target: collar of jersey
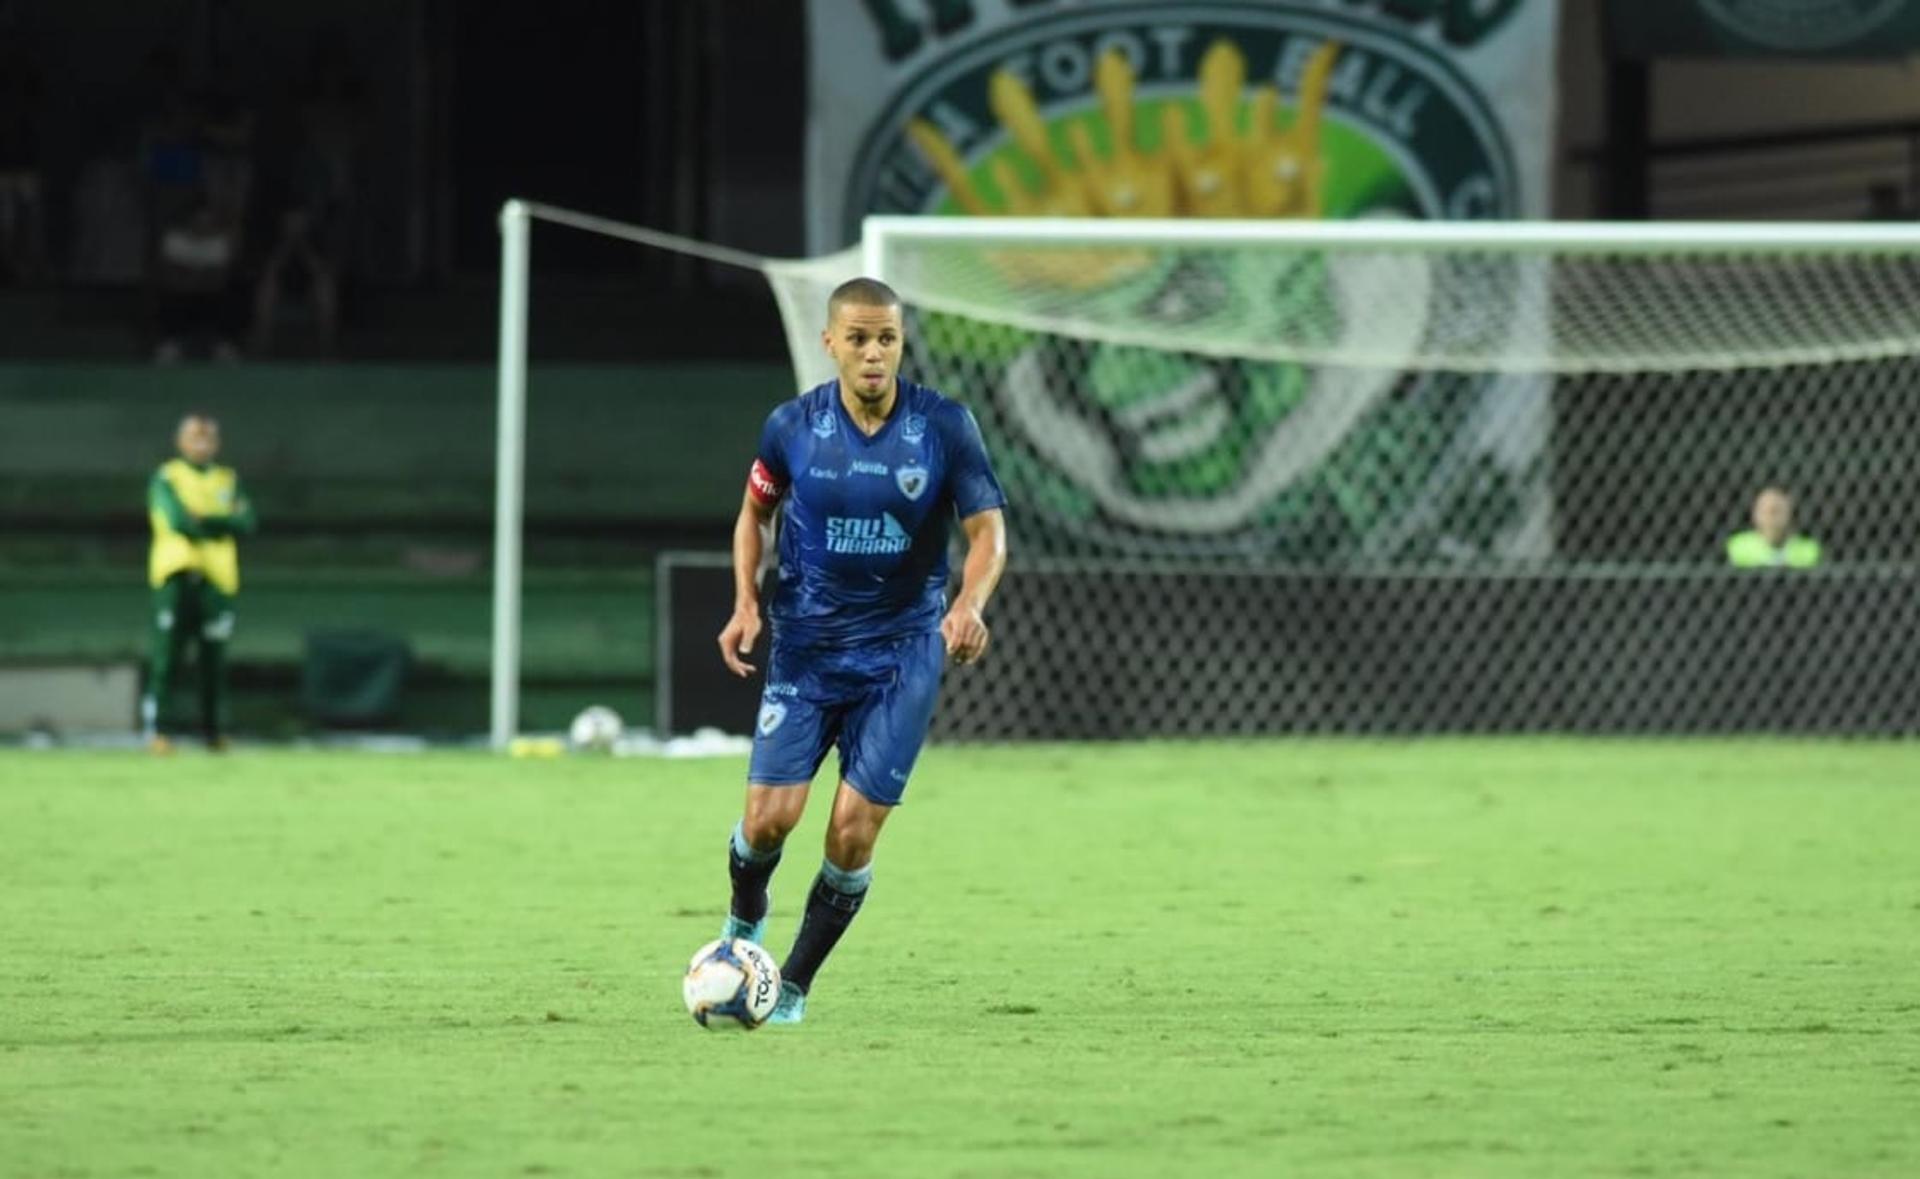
(853, 428)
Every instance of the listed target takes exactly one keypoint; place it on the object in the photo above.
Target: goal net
(1413, 477)
(1396, 477)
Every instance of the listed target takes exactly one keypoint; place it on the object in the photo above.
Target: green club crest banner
(1001, 107)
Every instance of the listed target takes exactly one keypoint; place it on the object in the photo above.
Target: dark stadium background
(371, 461)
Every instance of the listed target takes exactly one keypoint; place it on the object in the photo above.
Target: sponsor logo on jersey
(823, 472)
(914, 428)
(823, 423)
(864, 467)
(911, 480)
(771, 714)
(866, 534)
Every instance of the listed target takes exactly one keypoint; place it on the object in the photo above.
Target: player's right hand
(737, 639)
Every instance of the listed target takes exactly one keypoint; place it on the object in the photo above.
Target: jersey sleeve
(768, 478)
(969, 472)
(242, 521)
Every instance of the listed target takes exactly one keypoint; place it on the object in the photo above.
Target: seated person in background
(1772, 542)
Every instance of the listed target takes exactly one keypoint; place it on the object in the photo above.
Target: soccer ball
(731, 984)
(596, 729)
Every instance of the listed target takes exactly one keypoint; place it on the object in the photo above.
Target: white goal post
(1074, 332)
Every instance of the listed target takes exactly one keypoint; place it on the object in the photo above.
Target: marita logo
(1802, 24)
(1391, 115)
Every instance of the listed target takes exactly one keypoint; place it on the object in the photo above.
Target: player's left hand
(965, 632)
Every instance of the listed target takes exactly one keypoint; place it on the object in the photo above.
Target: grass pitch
(1485, 958)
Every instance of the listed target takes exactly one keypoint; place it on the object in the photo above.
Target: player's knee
(850, 841)
(768, 821)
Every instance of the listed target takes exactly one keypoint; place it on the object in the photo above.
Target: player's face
(1773, 515)
(198, 440)
(865, 342)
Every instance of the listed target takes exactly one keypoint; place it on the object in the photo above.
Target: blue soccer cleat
(753, 931)
(792, 1007)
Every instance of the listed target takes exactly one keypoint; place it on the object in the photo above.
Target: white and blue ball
(596, 729)
(731, 985)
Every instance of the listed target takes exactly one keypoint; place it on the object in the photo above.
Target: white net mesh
(1288, 484)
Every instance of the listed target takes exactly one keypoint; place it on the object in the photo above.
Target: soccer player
(196, 509)
(866, 474)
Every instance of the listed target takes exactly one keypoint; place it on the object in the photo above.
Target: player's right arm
(766, 483)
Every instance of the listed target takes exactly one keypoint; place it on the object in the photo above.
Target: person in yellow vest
(1772, 542)
(196, 508)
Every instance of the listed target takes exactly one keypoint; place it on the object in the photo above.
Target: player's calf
(836, 897)
(750, 869)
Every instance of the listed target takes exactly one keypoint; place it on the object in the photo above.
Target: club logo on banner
(1304, 109)
(1803, 25)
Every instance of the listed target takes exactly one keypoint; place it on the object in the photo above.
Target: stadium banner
(1454, 98)
(1766, 28)
(1370, 109)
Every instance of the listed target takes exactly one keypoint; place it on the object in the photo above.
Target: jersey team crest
(911, 480)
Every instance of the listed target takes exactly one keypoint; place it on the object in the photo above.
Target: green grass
(1516, 958)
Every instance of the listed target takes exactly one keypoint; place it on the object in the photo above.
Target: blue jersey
(864, 521)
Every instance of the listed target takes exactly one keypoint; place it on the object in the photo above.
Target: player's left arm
(979, 501)
(965, 626)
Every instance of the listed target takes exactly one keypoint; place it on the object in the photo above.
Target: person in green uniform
(196, 509)
(1772, 542)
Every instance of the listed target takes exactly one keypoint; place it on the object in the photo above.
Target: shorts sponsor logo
(780, 689)
(911, 481)
(771, 714)
(866, 534)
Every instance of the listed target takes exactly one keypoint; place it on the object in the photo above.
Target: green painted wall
(337, 442)
(375, 490)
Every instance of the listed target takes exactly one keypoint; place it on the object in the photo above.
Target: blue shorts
(874, 701)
